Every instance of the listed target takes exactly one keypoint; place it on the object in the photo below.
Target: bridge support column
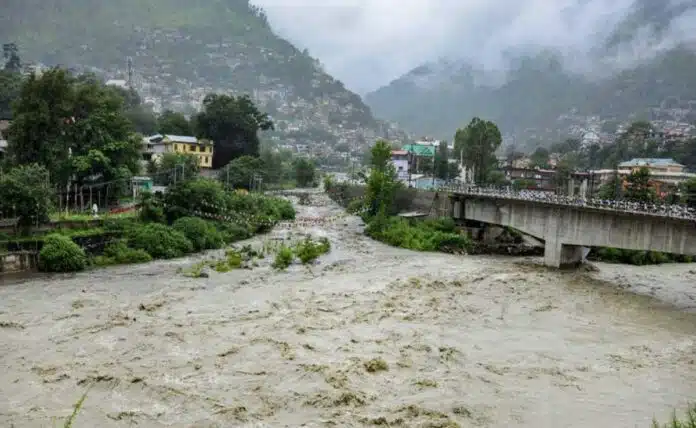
(556, 253)
(563, 256)
(457, 209)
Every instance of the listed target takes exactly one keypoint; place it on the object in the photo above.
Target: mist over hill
(645, 62)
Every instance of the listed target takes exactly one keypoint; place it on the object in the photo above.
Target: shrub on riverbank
(309, 250)
(160, 241)
(428, 235)
(118, 252)
(201, 233)
(635, 257)
(283, 258)
(61, 254)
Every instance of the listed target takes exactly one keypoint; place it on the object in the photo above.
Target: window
(201, 149)
(192, 147)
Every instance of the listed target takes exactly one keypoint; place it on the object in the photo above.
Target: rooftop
(420, 150)
(173, 138)
(182, 139)
(650, 162)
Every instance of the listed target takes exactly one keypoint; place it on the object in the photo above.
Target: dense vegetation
(384, 198)
(187, 223)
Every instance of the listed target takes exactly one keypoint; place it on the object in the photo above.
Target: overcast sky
(368, 43)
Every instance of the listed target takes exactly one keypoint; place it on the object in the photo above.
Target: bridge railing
(649, 208)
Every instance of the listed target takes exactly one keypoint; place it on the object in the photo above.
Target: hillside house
(156, 145)
(400, 159)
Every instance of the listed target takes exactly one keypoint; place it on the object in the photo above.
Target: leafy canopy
(75, 127)
(233, 124)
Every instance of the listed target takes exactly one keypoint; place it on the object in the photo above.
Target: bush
(61, 254)
(427, 235)
(119, 253)
(232, 232)
(120, 225)
(283, 258)
(635, 257)
(202, 194)
(160, 241)
(151, 209)
(308, 250)
(25, 193)
(202, 234)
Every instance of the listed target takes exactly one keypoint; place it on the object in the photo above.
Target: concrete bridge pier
(564, 256)
(556, 253)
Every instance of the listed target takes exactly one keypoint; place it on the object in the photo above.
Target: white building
(399, 159)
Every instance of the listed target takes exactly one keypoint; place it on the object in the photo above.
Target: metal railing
(625, 206)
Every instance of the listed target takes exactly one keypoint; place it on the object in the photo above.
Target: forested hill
(438, 97)
(182, 49)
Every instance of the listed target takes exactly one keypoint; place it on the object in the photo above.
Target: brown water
(480, 341)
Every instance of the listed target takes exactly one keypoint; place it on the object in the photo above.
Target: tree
(10, 53)
(688, 190)
(638, 186)
(382, 183)
(380, 155)
(567, 146)
(76, 128)
(10, 85)
(305, 172)
(173, 123)
(233, 124)
(141, 116)
(540, 158)
(477, 144)
(442, 161)
(172, 168)
(25, 193)
(239, 173)
(563, 173)
(609, 190)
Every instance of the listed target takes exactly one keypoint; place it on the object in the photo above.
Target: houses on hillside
(156, 145)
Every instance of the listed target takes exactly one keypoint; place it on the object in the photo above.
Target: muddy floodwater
(370, 335)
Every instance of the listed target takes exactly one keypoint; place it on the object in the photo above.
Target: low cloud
(367, 43)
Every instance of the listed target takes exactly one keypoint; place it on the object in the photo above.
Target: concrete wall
(18, 262)
(434, 203)
(565, 227)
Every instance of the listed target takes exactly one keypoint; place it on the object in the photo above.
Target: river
(475, 341)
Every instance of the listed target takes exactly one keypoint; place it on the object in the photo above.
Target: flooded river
(371, 335)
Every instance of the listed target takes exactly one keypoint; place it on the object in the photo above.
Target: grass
(283, 258)
(78, 406)
(61, 216)
(688, 422)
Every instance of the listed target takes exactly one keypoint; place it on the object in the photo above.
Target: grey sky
(367, 43)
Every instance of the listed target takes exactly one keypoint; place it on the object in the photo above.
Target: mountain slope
(182, 49)
(437, 98)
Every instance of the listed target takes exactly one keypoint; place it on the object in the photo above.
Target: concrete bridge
(568, 227)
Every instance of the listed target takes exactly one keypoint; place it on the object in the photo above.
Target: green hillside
(183, 49)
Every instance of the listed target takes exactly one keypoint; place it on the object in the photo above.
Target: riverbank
(472, 340)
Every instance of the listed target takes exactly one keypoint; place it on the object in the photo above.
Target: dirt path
(477, 341)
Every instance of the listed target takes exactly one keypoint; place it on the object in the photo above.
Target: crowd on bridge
(657, 209)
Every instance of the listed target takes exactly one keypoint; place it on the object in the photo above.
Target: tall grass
(78, 406)
(688, 422)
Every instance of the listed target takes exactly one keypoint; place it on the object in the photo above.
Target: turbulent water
(477, 341)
